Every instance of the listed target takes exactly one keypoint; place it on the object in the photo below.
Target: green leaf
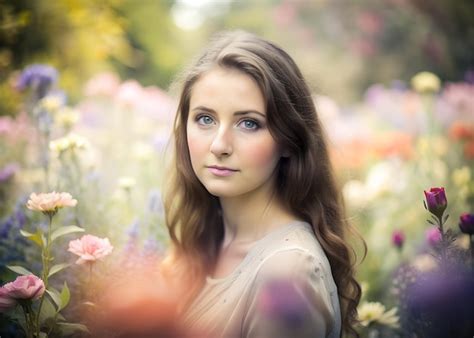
(56, 268)
(70, 328)
(48, 311)
(36, 237)
(65, 296)
(19, 270)
(56, 297)
(65, 230)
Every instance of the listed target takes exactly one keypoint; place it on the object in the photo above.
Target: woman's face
(232, 151)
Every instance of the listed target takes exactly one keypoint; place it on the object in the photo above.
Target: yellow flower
(126, 182)
(426, 82)
(50, 202)
(51, 103)
(67, 117)
(69, 142)
(461, 176)
(374, 312)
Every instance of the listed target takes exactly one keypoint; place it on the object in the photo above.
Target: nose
(222, 143)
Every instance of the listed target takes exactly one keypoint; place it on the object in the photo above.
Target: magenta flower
(6, 301)
(25, 287)
(90, 248)
(433, 236)
(436, 201)
(398, 238)
(466, 223)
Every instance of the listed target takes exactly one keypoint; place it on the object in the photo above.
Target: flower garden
(80, 201)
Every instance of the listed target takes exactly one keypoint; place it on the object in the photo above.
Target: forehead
(227, 89)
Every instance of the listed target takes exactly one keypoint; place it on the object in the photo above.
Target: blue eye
(204, 120)
(250, 124)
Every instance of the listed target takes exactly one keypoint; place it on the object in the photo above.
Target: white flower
(374, 312)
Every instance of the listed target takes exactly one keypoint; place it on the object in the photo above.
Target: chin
(222, 191)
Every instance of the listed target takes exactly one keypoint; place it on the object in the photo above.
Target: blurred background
(96, 122)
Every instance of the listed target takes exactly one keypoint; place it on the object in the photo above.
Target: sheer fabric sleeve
(289, 298)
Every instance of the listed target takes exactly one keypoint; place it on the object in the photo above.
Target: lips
(221, 171)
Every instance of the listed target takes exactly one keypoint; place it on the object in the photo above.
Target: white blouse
(282, 288)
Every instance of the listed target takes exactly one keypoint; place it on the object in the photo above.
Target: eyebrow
(238, 113)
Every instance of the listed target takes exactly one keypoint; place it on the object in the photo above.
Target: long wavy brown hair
(305, 181)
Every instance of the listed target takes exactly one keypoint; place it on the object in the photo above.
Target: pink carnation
(50, 202)
(90, 248)
(6, 302)
(25, 287)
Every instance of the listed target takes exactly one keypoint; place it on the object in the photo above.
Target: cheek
(262, 154)
(197, 146)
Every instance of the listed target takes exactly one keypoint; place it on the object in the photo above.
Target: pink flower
(50, 202)
(433, 235)
(25, 287)
(6, 302)
(436, 201)
(129, 94)
(398, 238)
(90, 248)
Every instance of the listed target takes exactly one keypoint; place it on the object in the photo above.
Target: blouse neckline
(252, 251)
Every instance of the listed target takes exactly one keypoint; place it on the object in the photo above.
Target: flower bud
(466, 223)
(436, 201)
(398, 238)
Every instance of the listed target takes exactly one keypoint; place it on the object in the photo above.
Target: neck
(249, 218)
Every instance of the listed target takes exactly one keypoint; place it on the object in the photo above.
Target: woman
(255, 218)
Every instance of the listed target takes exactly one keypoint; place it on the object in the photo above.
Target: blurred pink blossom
(90, 248)
(103, 84)
(157, 104)
(48, 202)
(433, 235)
(129, 94)
(456, 103)
(25, 287)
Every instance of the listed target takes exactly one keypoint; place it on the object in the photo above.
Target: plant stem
(471, 248)
(46, 260)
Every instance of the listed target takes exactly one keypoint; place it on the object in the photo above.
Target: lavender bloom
(38, 77)
(280, 300)
(441, 303)
(8, 171)
(155, 202)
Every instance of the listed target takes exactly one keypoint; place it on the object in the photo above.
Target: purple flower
(398, 238)
(433, 236)
(8, 171)
(38, 77)
(282, 301)
(436, 201)
(466, 223)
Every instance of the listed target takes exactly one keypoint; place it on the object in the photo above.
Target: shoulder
(295, 252)
(292, 293)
